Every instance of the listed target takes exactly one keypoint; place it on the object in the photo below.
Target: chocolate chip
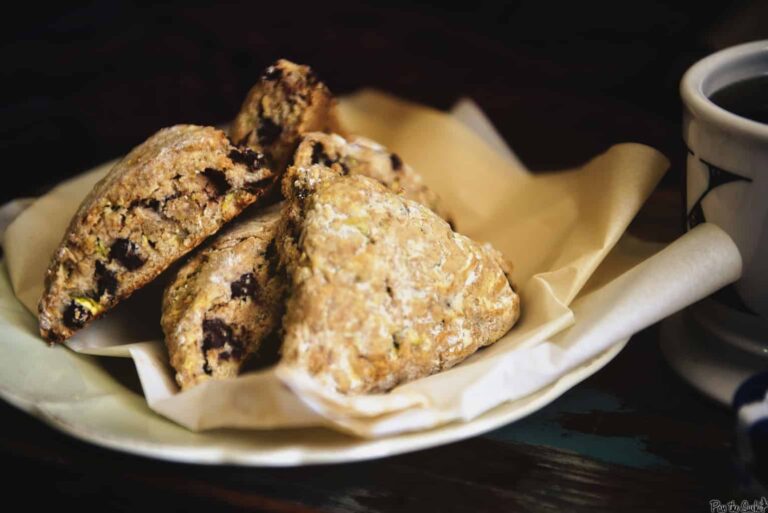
(319, 156)
(268, 132)
(235, 354)
(253, 159)
(75, 316)
(397, 163)
(216, 333)
(218, 179)
(272, 73)
(106, 281)
(344, 168)
(246, 286)
(127, 253)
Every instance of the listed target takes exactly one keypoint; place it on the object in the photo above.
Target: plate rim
(370, 449)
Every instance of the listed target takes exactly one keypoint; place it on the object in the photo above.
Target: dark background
(562, 82)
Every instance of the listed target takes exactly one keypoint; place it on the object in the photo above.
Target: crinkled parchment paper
(580, 292)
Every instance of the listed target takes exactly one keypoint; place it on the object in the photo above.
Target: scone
(382, 290)
(225, 302)
(155, 205)
(286, 102)
(209, 334)
(361, 156)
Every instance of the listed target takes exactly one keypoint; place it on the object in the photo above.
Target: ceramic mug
(727, 169)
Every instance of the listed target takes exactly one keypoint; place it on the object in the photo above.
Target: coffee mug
(727, 166)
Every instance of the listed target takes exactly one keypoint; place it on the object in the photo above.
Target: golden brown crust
(383, 291)
(155, 205)
(361, 156)
(225, 302)
(286, 102)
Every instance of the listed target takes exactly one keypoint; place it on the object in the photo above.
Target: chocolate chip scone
(286, 102)
(155, 205)
(382, 290)
(226, 303)
(361, 156)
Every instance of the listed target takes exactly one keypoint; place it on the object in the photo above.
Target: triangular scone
(361, 156)
(382, 290)
(226, 302)
(287, 101)
(208, 337)
(160, 201)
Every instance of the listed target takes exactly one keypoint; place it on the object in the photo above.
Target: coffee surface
(747, 98)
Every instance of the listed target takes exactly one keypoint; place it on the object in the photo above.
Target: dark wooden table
(560, 83)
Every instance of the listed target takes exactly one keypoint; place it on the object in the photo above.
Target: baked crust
(362, 156)
(225, 302)
(287, 101)
(383, 291)
(159, 202)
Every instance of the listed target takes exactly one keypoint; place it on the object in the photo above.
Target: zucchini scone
(383, 291)
(287, 101)
(226, 302)
(211, 329)
(159, 202)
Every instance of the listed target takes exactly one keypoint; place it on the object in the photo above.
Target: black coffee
(748, 98)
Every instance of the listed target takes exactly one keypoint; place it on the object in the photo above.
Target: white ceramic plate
(79, 396)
